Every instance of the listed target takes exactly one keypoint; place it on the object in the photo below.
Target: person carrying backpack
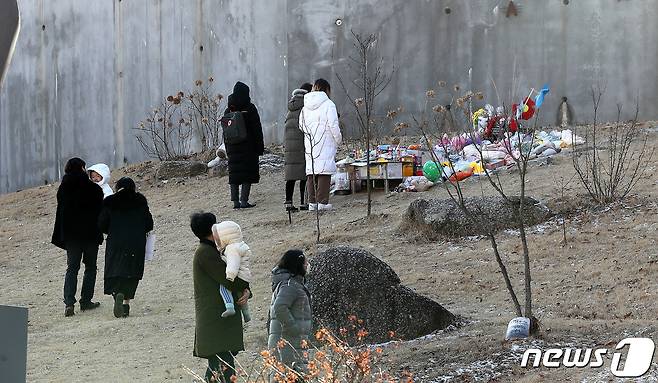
(243, 138)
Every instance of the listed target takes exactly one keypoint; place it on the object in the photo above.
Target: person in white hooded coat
(100, 175)
(319, 123)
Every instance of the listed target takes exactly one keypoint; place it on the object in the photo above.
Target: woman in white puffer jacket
(319, 123)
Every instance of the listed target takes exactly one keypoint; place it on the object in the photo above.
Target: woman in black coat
(125, 219)
(79, 202)
(243, 157)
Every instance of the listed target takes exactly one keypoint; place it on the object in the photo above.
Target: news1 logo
(636, 363)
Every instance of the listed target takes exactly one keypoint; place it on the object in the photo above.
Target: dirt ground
(598, 289)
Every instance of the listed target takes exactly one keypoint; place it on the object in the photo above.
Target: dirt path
(598, 289)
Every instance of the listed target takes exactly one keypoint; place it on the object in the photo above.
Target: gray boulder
(179, 169)
(346, 281)
(442, 218)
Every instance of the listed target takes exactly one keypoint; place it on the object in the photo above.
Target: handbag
(150, 246)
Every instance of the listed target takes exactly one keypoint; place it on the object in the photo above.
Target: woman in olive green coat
(215, 338)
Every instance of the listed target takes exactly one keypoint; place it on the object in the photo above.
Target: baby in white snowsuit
(236, 253)
(100, 175)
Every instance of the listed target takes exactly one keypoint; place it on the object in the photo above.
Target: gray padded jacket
(290, 315)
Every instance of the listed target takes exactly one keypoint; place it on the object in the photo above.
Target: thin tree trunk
(564, 231)
(503, 270)
(369, 186)
(528, 278)
(524, 241)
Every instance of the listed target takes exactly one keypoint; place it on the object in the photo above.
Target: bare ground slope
(600, 288)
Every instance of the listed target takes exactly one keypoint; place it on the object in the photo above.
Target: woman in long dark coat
(217, 339)
(79, 202)
(243, 157)
(295, 160)
(125, 219)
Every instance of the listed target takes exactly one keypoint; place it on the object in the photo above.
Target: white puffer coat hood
(236, 253)
(104, 171)
(226, 233)
(314, 100)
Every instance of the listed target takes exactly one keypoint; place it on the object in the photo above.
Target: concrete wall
(85, 73)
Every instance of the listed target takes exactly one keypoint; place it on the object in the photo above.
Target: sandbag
(493, 155)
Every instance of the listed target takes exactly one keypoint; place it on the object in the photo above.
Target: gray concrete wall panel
(85, 73)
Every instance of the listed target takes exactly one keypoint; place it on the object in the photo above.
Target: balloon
(431, 171)
(527, 110)
(461, 175)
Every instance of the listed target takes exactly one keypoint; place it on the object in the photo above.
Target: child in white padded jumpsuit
(236, 253)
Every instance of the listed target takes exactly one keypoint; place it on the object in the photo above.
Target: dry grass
(598, 288)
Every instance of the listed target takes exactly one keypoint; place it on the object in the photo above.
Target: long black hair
(293, 261)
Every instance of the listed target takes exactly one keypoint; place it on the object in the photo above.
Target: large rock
(346, 281)
(180, 169)
(438, 218)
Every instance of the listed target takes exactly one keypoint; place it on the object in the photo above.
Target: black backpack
(234, 129)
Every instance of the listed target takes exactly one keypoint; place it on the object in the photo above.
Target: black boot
(118, 305)
(235, 196)
(84, 306)
(244, 196)
(126, 310)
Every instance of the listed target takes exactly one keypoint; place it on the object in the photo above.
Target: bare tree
(562, 184)
(458, 114)
(369, 80)
(313, 153)
(205, 111)
(169, 130)
(166, 133)
(610, 173)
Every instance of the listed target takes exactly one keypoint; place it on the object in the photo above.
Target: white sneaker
(312, 206)
(327, 206)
